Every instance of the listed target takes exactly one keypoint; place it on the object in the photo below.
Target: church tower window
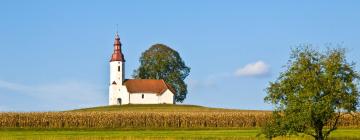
(142, 96)
(119, 68)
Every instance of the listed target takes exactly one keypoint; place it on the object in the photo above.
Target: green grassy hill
(162, 108)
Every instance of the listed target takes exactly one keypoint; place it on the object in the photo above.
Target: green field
(156, 134)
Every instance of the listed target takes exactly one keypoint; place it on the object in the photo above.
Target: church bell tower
(117, 72)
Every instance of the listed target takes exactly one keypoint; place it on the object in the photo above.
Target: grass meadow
(223, 134)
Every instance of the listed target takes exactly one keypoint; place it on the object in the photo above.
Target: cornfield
(144, 120)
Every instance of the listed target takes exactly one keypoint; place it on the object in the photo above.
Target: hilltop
(162, 108)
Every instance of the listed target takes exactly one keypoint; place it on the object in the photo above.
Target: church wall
(124, 95)
(115, 74)
(149, 98)
(118, 92)
(166, 98)
(112, 95)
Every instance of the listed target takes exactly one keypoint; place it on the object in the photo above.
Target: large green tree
(314, 91)
(162, 62)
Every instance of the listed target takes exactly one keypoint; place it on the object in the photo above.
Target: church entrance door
(119, 101)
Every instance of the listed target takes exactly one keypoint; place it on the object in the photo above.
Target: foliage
(315, 91)
(162, 62)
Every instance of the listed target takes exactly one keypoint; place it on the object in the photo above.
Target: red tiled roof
(147, 86)
(117, 55)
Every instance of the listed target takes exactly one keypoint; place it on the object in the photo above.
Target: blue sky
(54, 54)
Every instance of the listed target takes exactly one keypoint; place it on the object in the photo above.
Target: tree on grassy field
(314, 91)
(162, 62)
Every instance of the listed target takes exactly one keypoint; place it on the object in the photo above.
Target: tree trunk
(319, 135)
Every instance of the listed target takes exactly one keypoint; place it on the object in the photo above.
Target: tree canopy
(162, 62)
(314, 91)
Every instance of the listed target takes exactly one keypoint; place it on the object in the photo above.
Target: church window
(142, 96)
(118, 68)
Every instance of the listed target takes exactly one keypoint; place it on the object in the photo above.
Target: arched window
(119, 68)
(142, 96)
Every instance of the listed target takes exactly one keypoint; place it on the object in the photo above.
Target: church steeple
(117, 73)
(117, 55)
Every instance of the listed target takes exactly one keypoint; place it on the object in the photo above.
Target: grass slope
(162, 108)
(133, 135)
(243, 134)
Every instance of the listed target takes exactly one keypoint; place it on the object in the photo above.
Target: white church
(134, 91)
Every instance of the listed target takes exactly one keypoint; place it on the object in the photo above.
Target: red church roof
(117, 55)
(147, 86)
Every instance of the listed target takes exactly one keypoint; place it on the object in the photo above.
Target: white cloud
(257, 69)
(57, 96)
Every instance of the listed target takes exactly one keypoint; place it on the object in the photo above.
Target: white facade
(167, 98)
(117, 72)
(144, 98)
(116, 96)
(150, 98)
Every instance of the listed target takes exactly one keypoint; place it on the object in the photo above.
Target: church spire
(117, 55)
